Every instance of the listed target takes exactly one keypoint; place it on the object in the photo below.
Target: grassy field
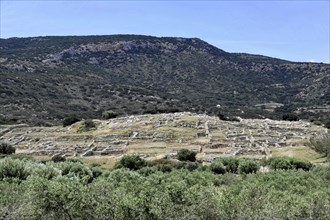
(300, 152)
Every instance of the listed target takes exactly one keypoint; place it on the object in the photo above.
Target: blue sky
(292, 30)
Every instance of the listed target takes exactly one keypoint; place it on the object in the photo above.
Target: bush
(96, 171)
(7, 121)
(186, 155)
(87, 125)
(74, 160)
(44, 171)
(6, 148)
(321, 145)
(72, 169)
(191, 166)
(70, 120)
(147, 171)
(288, 163)
(222, 116)
(280, 163)
(132, 162)
(10, 168)
(248, 166)
(109, 114)
(217, 167)
(290, 117)
(166, 165)
(58, 158)
(327, 124)
(230, 163)
(301, 164)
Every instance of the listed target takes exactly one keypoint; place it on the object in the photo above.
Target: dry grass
(158, 148)
(105, 162)
(188, 120)
(178, 132)
(300, 152)
(41, 158)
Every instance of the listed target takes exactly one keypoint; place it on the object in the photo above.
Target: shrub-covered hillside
(43, 79)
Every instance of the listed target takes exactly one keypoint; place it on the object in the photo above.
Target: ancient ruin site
(162, 135)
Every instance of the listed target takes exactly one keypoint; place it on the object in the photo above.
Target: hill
(162, 135)
(44, 79)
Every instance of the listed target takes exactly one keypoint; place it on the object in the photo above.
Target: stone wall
(163, 134)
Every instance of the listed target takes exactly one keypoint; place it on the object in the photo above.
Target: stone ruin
(162, 135)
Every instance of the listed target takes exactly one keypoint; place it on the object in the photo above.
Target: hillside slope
(48, 78)
(162, 135)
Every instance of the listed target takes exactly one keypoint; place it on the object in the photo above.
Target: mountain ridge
(54, 77)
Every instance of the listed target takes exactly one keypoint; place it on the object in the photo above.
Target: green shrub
(290, 117)
(72, 169)
(191, 166)
(6, 148)
(280, 163)
(319, 123)
(321, 145)
(217, 167)
(109, 114)
(59, 198)
(147, 171)
(147, 193)
(10, 168)
(58, 158)
(327, 124)
(165, 168)
(186, 155)
(230, 163)
(221, 116)
(168, 165)
(288, 163)
(301, 164)
(96, 171)
(7, 121)
(43, 170)
(87, 125)
(248, 166)
(70, 120)
(132, 162)
(74, 160)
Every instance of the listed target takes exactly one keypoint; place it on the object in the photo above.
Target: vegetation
(7, 121)
(186, 155)
(70, 120)
(321, 145)
(132, 162)
(288, 163)
(72, 190)
(222, 117)
(6, 148)
(234, 165)
(290, 117)
(87, 125)
(58, 158)
(327, 124)
(231, 164)
(248, 166)
(217, 167)
(109, 114)
(149, 79)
